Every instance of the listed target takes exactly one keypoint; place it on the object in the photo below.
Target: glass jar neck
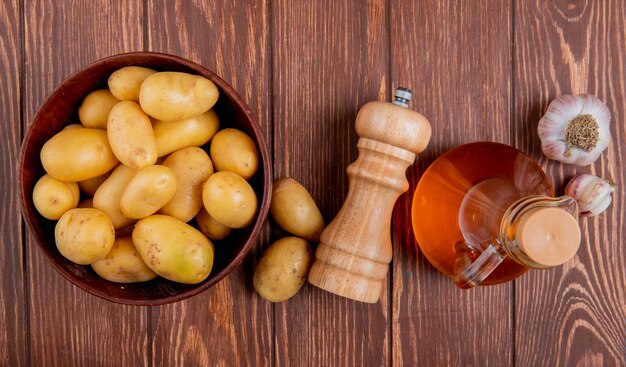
(509, 225)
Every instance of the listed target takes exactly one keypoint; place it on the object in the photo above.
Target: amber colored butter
(548, 236)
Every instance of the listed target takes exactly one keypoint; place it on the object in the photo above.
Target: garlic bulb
(575, 129)
(592, 193)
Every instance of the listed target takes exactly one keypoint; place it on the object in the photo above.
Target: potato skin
(210, 227)
(191, 132)
(229, 199)
(84, 235)
(78, 154)
(90, 185)
(294, 210)
(125, 83)
(123, 264)
(283, 269)
(95, 109)
(173, 249)
(131, 137)
(172, 96)
(107, 197)
(192, 167)
(52, 198)
(232, 150)
(150, 189)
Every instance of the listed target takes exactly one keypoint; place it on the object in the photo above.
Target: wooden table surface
(480, 70)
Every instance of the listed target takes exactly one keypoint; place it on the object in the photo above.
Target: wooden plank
(228, 324)
(70, 326)
(455, 55)
(574, 314)
(14, 326)
(330, 58)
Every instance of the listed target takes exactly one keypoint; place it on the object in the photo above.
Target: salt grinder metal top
(355, 248)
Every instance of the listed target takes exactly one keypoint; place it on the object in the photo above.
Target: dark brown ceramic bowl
(60, 109)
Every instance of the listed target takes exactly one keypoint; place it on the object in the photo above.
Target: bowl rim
(265, 160)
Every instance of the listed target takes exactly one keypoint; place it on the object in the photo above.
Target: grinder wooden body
(355, 249)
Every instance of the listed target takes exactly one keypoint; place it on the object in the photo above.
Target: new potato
(130, 134)
(232, 150)
(173, 249)
(150, 189)
(94, 112)
(78, 154)
(192, 167)
(84, 235)
(107, 197)
(229, 199)
(283, 269)
(52, 198)
(126, 82)
(191, 132)
(294, 210)
(123, 264)
(172, 96)
(210, 227)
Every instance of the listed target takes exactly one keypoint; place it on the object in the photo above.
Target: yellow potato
(172, 96)
(84, 235)
(283, 269)
(123, 264)
(90, 185)
(229, 199)
(150, 189)
(87, 203)
(192, 167)
(191, 132)
(173, 249)
(210, 227)
(131, 136)
(52, 198)
(78, 154)
(107, 197)
(232, 150)
(294, 210)
(125, 82)
(73, 126)
(94, 112)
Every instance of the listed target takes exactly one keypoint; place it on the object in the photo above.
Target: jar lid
(548, 236)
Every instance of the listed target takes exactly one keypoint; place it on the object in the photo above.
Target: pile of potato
(136, 156)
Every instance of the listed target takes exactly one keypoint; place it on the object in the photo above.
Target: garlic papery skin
(592, 193)
(575, 129)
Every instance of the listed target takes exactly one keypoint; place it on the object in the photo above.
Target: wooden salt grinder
(355, 248)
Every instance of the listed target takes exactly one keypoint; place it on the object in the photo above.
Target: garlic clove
(593, 194)
(575, 129)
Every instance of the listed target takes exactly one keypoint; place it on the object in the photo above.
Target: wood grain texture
(574, 315)
(455, 56)
(480, 70)
(329, 59)
(14, 328)
(228, 324)
(70, 326)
